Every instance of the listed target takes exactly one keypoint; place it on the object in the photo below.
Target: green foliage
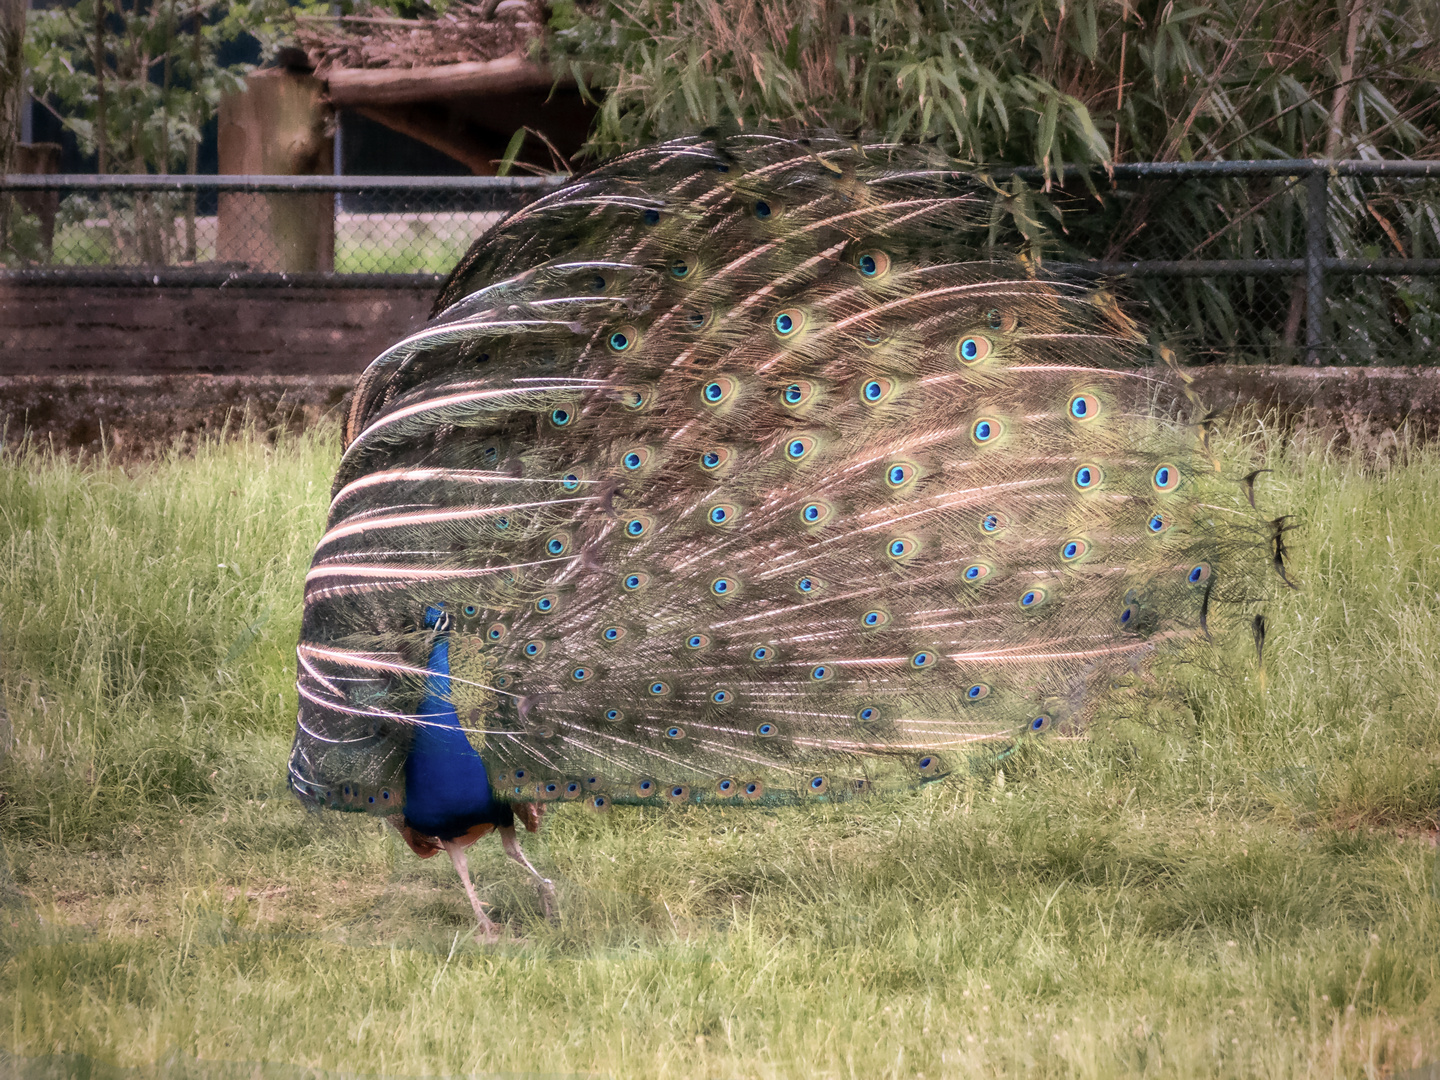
(136, 80)
(1044, 82)
(1223, 879)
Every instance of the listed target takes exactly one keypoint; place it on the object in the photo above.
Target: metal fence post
(1317, 191)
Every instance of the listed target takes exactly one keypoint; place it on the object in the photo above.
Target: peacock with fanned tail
(735, 471)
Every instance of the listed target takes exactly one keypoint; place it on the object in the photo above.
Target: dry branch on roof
(466, 33)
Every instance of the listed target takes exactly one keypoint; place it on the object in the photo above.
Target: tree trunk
(12, 92)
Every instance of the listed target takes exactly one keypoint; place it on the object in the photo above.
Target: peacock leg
(488, 929)
(511, 843)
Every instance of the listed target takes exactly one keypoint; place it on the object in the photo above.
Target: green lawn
(1219, 880)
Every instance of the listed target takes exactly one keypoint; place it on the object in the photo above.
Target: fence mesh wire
(1248, 303)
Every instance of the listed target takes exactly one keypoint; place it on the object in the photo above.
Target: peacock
(741, 469)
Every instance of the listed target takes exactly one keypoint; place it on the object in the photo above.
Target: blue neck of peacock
(439, 729)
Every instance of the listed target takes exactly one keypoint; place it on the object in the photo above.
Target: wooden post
(281, 126)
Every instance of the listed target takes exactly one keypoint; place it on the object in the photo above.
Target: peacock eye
(1087, 477)
(716, 458)
(683, 266)
(762, 653)
(1033, 598)
(875, 391)
(1084, 407)
(763, 210)
(722, 697)
(561, 417)
(638, 526)
(723, 514)
(636, 459)
(1165, 478)
(534, 649)
(789, 322)
(928, 764)
(1074, 549)
(631, 582)
(1198, 574)
(697, 641)
(924, 659)
(623, 339)
(867, 714)
(470, 611)
(873, 264)
(1040, 723)
(798, 394)
(986, 430)
(612, 633)
(799, 448)
(1157, 524)
(809, 586)
(899, 474)
(815, 513)
(658, 688)
(558, 544)
(724, 586)
(570, 482)
(634, 398)
(496, 632)
(546, 604)
(977, 691)
(975, 572)
(973, 348)
(651, 216)
(719, 390)
(901, 548)
(993, 523)
(873, 620)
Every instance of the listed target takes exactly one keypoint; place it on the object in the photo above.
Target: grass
(1229, 882)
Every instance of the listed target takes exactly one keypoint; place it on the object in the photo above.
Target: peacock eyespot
(598, 803)
(697, 641)
(724, 586)
(592, 783)
(1074, 550)
(923, 659)
(978, 571)
(631, 582)
(727, 788)
(1198, 574)
(634, 398)
(767, 731)
(799, 448)
(520, 775)
(678, 792)
(1165, 478)
(558, 544)
(902, 548)
(929, 765)
(1157, 524)
(754, 790)
(502, 524)
(715, 459)
(789, 322)
(973, 348)
(683, 266)
(636, 459)
(815, 513)
(719, 390)
(581, 674)
(867, 713)
(1083, 407)
(696, 319)
(809, 586)
(1087, 477)
(502, 682)
(875, 619)
(573, 789)
(822, 673)
(623, 338)
(658, 688)
(646, 788)
(875, 391)
(993, 523)
(614, 715)
(1033, 598)
(651, 216)
(675, 733)
(546, 604)
(534, 649)
(612, 633)
(797, 394)
(470, 611)
(637, 526)
(1128, 614)
(762, 653)
(561, 417)
(1040, 723)
(900, 474)
(873, 264)
(986, 430)
(570, 482)
(818, 785)
(722, 697)
(977, 691)
(723, 514)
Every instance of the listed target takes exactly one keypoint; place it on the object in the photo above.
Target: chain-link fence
(1242, 262)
